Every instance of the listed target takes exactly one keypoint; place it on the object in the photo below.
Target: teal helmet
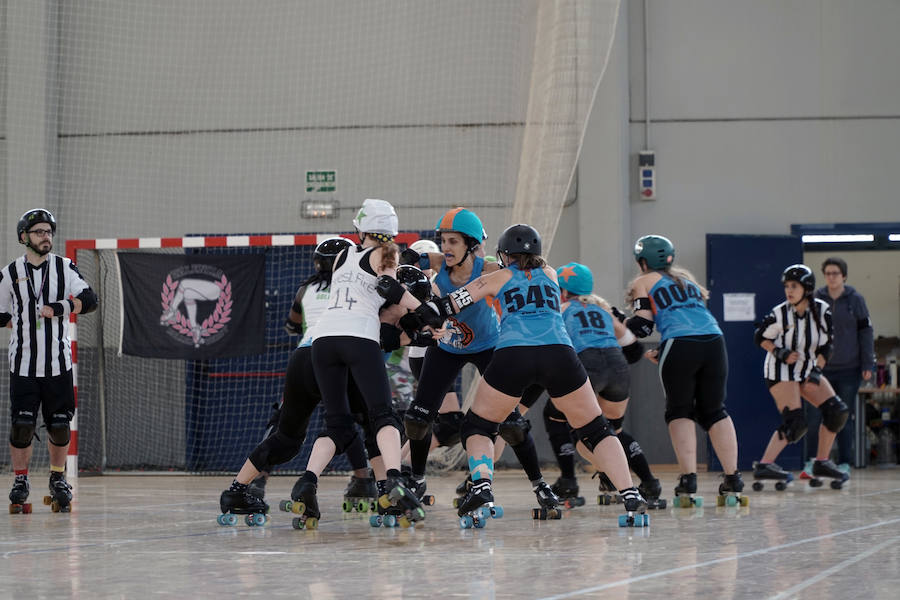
(464, 221)
(576, 279)
(657, 250)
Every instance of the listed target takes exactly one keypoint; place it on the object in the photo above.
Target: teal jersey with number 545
(529, 310)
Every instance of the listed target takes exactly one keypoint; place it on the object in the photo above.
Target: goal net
(133, 119)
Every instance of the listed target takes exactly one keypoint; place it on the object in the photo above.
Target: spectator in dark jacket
(853, 359)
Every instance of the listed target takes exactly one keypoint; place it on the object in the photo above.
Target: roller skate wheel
(456, 502)
(297, 523)
(404, 522)
(389, 521)
(285, 506)
(745, 501)
(623, 520)
(720, 500)
(554, 513)
(780, 486)
(497, 512)
(384, 501)
(375, 521)
(836, 485)
(346, 506)
(230, 520)
(361, 506)
(297, 508)
(47, 500)
(698, 501)
(257, 520)
(538, 514)
(218, 518)
(604, 499)
(758, 486)
(16, 509)
(815, 483)
(372, 506)
(466, 522)
(480, 523)
(731, 501)
(312, 523)
(428, 500)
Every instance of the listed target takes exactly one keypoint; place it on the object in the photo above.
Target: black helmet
(802, 275)
(33, 217)
(519, 239)
(327, 251)
(415, 281)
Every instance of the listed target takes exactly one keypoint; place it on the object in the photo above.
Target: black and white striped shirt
(39, 347)
(804, 334)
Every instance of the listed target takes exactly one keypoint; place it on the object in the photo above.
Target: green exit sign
(321, 181)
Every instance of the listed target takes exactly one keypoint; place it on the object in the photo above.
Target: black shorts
(54, 396)
(608, 371)
(556, 368)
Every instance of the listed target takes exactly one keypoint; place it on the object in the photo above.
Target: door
(738, 266)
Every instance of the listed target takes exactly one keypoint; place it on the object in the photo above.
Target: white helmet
(424, 246)
(376, 216)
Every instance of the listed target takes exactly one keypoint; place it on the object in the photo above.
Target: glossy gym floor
(157, 536)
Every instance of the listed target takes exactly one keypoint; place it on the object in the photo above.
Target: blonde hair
(593, 299)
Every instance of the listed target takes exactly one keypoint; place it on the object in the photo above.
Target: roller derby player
(472, 334)
(533, 348)
(38, 292)
(693, 365)
(797, 338)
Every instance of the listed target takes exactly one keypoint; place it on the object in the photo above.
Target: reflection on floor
(145, 536)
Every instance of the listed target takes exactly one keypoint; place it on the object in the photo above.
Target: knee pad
(474, 425)
(630, 445)
(834, 414)
(385, 418)
(21, 434)
(594, 432)
(276, 449)
(446, 430)
(707, 420)
(793, 426)
(417, 422)
(515, 428)
(342, 430)
(616, 424)
(58, 433)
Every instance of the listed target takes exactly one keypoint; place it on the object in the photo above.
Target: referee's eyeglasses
(42, 232)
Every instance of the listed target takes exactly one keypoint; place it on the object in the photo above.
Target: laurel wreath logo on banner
(189, 292)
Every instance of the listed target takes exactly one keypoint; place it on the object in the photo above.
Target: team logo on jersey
(196, 304)
(459, 335)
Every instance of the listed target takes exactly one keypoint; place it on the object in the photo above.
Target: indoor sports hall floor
(156, 536)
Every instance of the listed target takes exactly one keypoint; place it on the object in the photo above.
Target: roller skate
(477, 506)
(730, 491)
(548, 501)
(461, 490)
(418, 488)
(60, 498)
(304, 503)
(360, 494)
(763, 471)
(635, 509)
(685, 492)
(567, 491)
(650, 490)
(605, 498)
(18, 495)
(387, 516)
(238, 500)
(827, 469)
(400, 496)
(257, 487)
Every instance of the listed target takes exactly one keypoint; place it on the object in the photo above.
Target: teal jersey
(589, 326)
(529, 310)
(473, 329)
(681, 312)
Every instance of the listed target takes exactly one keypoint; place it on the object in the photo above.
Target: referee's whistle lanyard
(40, 290)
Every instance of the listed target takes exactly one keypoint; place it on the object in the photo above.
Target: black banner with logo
(193, 306)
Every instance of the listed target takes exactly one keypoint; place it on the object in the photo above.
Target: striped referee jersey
(38, 346)
(804, 334)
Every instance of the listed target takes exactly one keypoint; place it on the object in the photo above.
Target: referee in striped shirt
(38, 292)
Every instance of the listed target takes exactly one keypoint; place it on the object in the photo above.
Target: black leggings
(439, 373)
(694, 373)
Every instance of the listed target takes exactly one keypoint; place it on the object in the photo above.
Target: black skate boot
(18, 495)
(360, 494)
(548, 501)
(387, 516)
(771, 471)
(237, 500)
(257, 487)
(397, 494)
(730, 491)
(827, 468)
(477, 505)
(60, 498)
(461, 490)
(685, 490)
(567, 491)
(304, 503)
(418, 487)
(635, 509)
(608, 492)
(651, 490)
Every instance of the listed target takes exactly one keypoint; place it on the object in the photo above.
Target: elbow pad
(758, 338)
(639, 326)
(4, 319)
(89, 301)
(618, 314)
(633, 352)
(432, 314)
(390, 289)
(390, 337)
